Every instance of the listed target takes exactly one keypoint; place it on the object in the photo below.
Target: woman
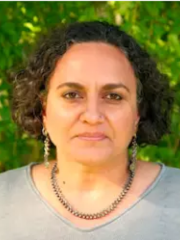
(92, 92)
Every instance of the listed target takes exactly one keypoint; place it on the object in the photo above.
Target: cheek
(124, 116)
(122, 122)
(59, 121)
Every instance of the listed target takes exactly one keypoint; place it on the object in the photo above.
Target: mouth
(91, 138)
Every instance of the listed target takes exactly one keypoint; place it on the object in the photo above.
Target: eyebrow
(109, 86)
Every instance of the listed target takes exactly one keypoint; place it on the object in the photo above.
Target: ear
(44, 118)
(136, 122)
(43, 104)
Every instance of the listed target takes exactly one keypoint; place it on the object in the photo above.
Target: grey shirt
(24, 214)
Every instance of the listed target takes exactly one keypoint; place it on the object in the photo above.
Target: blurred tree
(155, 25)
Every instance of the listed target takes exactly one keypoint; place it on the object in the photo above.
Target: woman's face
(92, 92)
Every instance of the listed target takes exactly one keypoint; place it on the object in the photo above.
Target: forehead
(94, 62)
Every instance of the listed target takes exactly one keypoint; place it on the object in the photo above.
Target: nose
(92, 114)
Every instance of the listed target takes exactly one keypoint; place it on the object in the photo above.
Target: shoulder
(171, 177)
(169, 187)
(10, 175)
(15, 190)
(166, 174)
(11, 181)
(164, 181)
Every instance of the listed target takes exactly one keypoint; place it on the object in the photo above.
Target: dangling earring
(132, 165)
(46, 147)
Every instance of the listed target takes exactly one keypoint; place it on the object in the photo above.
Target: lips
(88, 134)
(92, 136)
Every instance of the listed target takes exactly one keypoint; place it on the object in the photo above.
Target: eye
(114, 96)
(71, 95)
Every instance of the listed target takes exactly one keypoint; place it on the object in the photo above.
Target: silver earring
(133, 160)
(46, 147)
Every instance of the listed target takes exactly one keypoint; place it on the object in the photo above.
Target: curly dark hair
(155, 98)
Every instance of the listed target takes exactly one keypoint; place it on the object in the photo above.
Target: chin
(91, 157)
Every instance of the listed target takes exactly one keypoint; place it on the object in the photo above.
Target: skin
(92, 65)
(92, 173)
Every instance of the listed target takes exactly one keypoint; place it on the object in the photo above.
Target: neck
(80, 178)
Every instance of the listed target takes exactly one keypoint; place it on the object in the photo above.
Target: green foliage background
(155, 25)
